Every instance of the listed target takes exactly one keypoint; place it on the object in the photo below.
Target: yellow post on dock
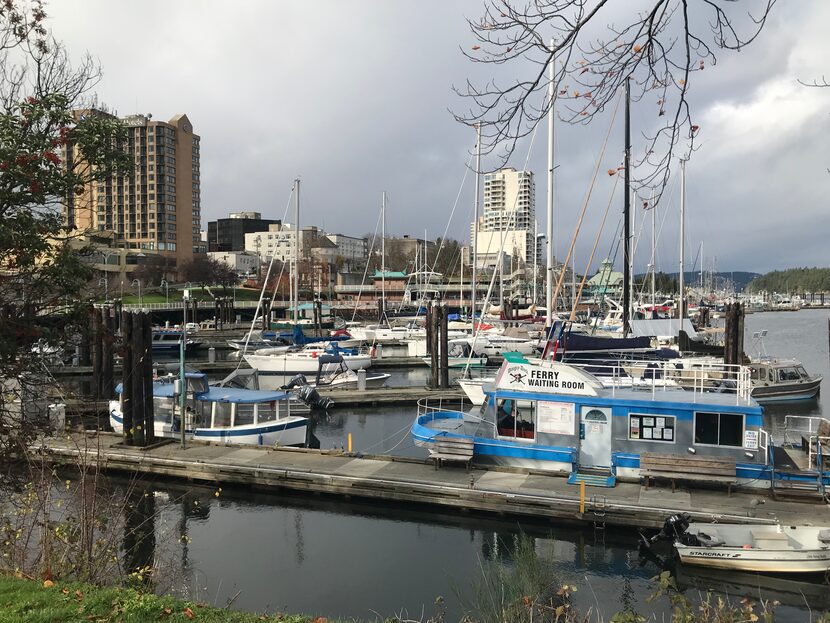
(581, 495)
(350, 442)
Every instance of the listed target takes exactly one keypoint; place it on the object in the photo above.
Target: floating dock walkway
(407, 480)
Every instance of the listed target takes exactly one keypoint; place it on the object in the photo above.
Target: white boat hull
(295, 363)
(804, 561)
(289, 431)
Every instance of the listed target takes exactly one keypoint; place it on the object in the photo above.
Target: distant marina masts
(473, 277)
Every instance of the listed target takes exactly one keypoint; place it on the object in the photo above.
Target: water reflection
(324, 556)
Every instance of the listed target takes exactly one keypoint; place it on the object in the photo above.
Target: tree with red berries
(42, 267)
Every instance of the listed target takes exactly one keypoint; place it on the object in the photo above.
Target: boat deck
(401, 480)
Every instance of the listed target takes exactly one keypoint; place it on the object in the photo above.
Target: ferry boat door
(595, 437)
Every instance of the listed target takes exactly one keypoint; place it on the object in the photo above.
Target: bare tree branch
(659, 49)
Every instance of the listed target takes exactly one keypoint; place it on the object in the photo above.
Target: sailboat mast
(383, 257)
(535, 258)
(475, 228)
(653, 257)
(682, 236)
(627, 210)
(549, 226)
(296, 293)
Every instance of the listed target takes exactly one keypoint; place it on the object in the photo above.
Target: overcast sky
(353, 98)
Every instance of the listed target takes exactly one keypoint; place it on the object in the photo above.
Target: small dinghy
(769, 548)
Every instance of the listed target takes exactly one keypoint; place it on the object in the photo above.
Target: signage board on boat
(553, 379)
(556, 418)
(751, 439)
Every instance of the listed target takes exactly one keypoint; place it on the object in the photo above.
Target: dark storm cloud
(353, 97)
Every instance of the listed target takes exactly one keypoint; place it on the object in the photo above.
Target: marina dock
(389, 479)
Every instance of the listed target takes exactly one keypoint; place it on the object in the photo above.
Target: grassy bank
(27, 601)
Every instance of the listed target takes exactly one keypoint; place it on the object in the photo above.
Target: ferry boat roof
(163, 388)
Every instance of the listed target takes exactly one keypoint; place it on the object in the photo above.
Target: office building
(228, 234)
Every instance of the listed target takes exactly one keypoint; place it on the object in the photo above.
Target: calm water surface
(328, 557)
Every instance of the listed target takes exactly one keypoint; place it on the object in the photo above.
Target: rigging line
(452, 212)
(261, 294)
(585, 205)
(366, 269)
(596, 243)
(499, 262)
(296, 236)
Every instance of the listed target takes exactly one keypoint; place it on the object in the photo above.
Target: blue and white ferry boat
(221, 414)
(561, 418)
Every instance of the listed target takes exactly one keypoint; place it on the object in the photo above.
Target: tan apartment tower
(156, 207)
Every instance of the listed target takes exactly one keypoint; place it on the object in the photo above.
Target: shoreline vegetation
(29, 601)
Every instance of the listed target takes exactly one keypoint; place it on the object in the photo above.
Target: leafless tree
(659, 46)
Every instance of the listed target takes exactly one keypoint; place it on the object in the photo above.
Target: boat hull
(285, 364)
(291, 432)
(803, 561)
(784, 392)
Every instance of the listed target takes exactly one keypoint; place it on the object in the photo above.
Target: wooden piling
(96, 339)
(444, 361)
(429, 329)
(108, 353)
(434, 348)
(147, 377)
(127, 376)
(137, 378)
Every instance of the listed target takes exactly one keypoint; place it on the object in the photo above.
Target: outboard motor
(297, 381)
(312, 398)
(674, 529)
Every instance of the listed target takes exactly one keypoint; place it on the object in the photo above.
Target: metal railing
(801, 428)
(696, 377)
(442, 404)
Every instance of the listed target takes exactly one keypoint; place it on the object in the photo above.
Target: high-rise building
(154, 207)
(508, 219)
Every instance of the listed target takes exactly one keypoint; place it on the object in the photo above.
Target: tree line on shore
(792, 280)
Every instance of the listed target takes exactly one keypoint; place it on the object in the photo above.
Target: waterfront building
(154, 208)
(508, 219)
(241, 262)
(276, 242)
(228, 234)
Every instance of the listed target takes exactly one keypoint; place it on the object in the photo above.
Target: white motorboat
(305, 360)
(751, 547)
(335, 374)
(778, 380)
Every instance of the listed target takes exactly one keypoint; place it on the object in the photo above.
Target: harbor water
(345, 558)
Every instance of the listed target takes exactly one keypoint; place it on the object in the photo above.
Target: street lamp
(138, 283)
(163, 284)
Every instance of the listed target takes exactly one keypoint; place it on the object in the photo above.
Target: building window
(650, 427)
(516, 418)
(719, 429)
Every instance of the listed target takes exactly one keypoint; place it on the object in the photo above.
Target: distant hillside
(793, 280)
(739, 278)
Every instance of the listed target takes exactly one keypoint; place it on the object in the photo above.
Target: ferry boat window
(719, 429)
(267, 411)
(222, 414)
(651, 427)
(244, 414)
(516, 418)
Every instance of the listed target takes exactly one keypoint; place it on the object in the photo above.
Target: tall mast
(653, 257)
(701, 267)
(535, 258)
(383, 258)
(474, 241)
(634, 241)
(549, 226)
(296, 293)
(627, 210)
(682, 236)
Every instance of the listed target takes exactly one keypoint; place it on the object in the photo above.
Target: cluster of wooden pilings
(224, 311)
(733, 337)
(113, 330)
(437, 321)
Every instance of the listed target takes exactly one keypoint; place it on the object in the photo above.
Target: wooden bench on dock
(452, 449)
(687, 468)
